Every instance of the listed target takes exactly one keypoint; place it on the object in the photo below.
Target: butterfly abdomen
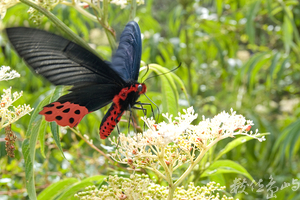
(110, 120)
(65, 114)
(127, 96)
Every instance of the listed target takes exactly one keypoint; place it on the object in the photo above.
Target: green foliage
(240, 54)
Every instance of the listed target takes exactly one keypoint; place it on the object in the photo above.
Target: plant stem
(92, 145)
(132, 10)
(111, 37)
(198, 159)
(171, 191)
(61, 26)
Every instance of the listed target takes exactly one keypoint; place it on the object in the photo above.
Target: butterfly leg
(116, 120)
(148, 104)
(144, 111)
(131, 117)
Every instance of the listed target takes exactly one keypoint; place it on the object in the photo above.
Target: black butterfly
(95, 82)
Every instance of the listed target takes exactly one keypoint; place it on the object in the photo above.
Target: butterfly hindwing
(65, 114)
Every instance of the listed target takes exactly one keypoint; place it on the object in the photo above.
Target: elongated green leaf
(76, 187)
(218, 178)
(282, 67)
(255, 67)
(273, 66)
(226, 166)
(28, 146)
(169, 102)
(54, 127)
(250, 26)
(219, 6)
(55, 189)
(181, 84)
(287, 142)
(287, 29)
(169, 89)
(55, 134)
(42, 133)
(236, 142)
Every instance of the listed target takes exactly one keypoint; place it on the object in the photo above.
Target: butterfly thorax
(125, 100)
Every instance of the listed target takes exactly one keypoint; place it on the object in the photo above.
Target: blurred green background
(240, 54)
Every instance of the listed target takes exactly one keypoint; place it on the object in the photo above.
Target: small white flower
(6, 75)
(8, 115)
(4, 5)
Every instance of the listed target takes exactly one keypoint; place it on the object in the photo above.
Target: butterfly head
(142, 88)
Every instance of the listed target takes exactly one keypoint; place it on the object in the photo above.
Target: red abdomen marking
(64, 114)
(120, 103)
(110, 120)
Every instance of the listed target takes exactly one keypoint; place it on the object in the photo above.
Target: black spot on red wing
(104, 127)
(48, 112)
(113, 125)
(77, 112)
(71, 120)
(111, 118)
(115, 112)
(58, 117)
(107, 123)
(59, 107)
(66, 110)
(50, 105)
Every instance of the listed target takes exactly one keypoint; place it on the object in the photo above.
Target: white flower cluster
(8, 116)
(141, 187)
(175, 141)
(6, 75)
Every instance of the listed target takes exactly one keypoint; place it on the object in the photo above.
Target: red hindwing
(64, 114)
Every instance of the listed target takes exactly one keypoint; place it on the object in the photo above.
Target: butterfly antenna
(163, 73)
(155, 105)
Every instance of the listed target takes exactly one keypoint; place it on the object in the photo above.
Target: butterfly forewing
(126, 61)
(59, 60)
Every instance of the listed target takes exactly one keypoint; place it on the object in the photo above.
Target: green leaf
(218, 178)
(42, 133)
(55, 189)
(181, 84)
(255, 67)
(219, 6)
(286, 143)
(55, 134)
(76, 187)
(281, 70)
(169, 89)
(226, 166)
(272, 67)
(250, 26)
(28, 146)
(287, 30)
(53, 126)
(236, 142)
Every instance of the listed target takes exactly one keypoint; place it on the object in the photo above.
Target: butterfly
(95, 82)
